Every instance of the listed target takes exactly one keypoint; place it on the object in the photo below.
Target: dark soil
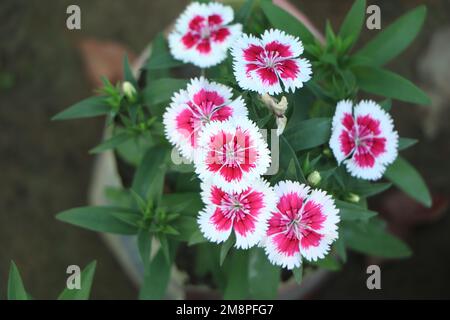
(46, 167)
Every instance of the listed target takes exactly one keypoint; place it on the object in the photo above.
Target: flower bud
(281, 124)
(314, 178)
(129, 91)
(352, 197)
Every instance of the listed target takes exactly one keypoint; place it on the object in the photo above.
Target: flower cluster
(230, 155)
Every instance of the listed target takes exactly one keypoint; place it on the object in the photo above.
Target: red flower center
(202, 31)
(362, 139)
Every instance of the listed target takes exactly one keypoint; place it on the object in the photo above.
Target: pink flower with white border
(245, 212)
(270, 64)
(203, 34)
(304, 225)
(191, 109)
(231, 154)
(363, 137)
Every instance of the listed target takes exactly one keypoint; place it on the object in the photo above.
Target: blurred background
(46, 168)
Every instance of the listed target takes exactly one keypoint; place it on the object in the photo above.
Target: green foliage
(405, 177)
(16, 289)
(103, 219)
(395, 38)
(90, 107)
(87, 277)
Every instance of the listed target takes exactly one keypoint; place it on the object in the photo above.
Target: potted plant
(204, 197)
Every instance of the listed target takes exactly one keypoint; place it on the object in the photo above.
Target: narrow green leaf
(128, 73)
(264, 277)
(405, 143)
(161, 90)
(386, 104)
(283, 20)
(371, 238)
(16, 289)
(160, 57)
(87, 277)
(244, 12)
(144, 240)
(237, 284)
(90, 107)
(354, 21)
(112, 142)
(340, 249)
(196, 238)
(388, 84)
(148, 181)
(406, 178)
(309, 133)
(298, 274)
(327, 263)
(395, 38)
(101, 219)
(186, 203)
(225, 248)
(299, 172)
(157, 275)
(367, 189)
(187, 227)
(349, 211)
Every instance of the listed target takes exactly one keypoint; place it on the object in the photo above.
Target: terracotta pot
(105, 174)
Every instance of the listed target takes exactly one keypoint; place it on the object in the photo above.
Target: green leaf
(157, 276)
(225, 248)
(340, 249)
(160, 57)
(148, 181)
(264, 277)
(280, 19)
(186, 203)
(327, 263)
(354, 21)
(372, 239)
(90, 107)
(366, 189)
(186, 227)
(309, 133)
(298, 274)
(16, 289)
(386, 104)
(87, 277)
(237, 285)
(349, 211)
(112, 142)
(102, 219)
(161, 90)
(244, 12)
(196, 238)
(299, 172)
(395, 38)
(388, 84)
(128, 73)
(406, 178)
(405, 143)
(144, 240)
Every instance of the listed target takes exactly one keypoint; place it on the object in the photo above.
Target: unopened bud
(352, 197)
(129, 91)
(281, 124)
(314, 178)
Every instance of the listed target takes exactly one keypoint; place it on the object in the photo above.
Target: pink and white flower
(231, 154)
(203, 34)
(304, 225)
(191, 109)
(246, 212)
(363, 137)
(264, 65)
